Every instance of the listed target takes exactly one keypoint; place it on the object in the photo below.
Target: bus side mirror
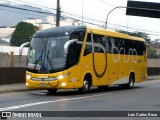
(22, 46)
(67, 44)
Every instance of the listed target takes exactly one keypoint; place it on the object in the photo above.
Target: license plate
(43, 77)
(42, 85)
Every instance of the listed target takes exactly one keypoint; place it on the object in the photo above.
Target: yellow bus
(80, 57)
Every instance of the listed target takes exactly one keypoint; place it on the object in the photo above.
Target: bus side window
(100, 40)
(105, 43)
(120, 45)
(114, 48)
(88, 48)
(89, 38)
(79, 35)
(140, 47)
(74, 54)
(97, 38)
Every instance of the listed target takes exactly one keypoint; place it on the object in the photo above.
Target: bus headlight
(28, 76)
(62, 76)
(63, 84)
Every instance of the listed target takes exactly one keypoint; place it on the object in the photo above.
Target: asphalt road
(143, 97)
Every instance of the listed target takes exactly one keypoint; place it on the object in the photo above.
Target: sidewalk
(13, 88)
(153, 77)
(22, 87)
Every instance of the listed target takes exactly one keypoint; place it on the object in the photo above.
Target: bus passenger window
(87, 50)
(79, 35)
(98, 50)
(74, 54)
(114, 48)
(97, 38)
(89, 37)
(105, 43)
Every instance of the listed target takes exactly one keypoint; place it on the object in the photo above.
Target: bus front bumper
(46, 84)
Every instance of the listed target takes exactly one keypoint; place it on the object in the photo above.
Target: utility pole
(82, 12)
(58, 13)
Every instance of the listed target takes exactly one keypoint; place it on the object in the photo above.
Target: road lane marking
(140, 90)
(45, 102)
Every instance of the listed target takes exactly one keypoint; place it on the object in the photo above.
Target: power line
(49, 13)
(112, 24)
(115, 28)
(106, 3)
(7, 6)
(23, 1)
(76, 15)
(109, 4)
(80, 20)
(47, 3)
(22, 12)
(134, 28)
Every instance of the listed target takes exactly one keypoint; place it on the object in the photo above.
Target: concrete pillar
(11, 58)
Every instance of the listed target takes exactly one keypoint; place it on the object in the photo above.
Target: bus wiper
(39, 59)
(56, 51)
(49, 60)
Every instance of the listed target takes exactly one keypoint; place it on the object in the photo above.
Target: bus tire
(131, 82)
(86, 86)
(52, 91)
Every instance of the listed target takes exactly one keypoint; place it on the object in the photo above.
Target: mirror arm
(22, 46)
(67, 44)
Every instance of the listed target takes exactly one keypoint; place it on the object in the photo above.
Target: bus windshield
(47, 54)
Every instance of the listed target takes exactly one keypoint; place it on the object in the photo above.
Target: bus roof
(67, 30)
(114, 34)
(58, 31)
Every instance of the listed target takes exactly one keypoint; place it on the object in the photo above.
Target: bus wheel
(52, 91)
(130, 84)
(86, 86)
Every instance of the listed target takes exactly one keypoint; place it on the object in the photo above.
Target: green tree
(152, 53)
(23, 33)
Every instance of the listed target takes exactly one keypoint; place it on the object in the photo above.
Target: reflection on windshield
(55, 53)
(36, 55)
(47, 54)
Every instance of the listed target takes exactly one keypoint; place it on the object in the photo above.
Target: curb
(153, 78)
(14, 90)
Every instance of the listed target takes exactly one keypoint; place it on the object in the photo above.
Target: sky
(97, 10)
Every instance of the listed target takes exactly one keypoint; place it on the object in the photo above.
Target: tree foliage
(23, 33)
(152, 53)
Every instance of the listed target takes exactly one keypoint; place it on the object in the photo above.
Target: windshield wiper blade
(39, 59)
(56, 51)
(50, 62)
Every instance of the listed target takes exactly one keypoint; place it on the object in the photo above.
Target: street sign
(144, 9)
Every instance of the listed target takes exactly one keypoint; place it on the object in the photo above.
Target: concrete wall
(15, 50)
(12, 68)
(12, 75)
(7, 60)
(153, 62)
(153, 71)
